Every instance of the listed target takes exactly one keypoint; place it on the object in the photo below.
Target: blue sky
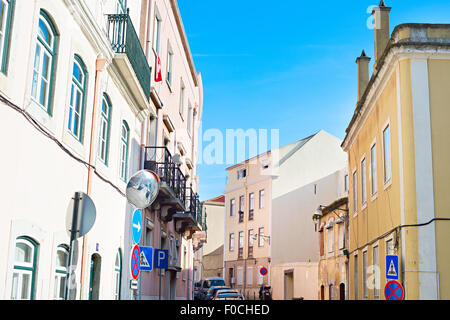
(287, 65)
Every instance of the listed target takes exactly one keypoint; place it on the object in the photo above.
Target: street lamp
(255, 237)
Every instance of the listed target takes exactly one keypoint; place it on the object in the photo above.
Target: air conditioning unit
(233, 280)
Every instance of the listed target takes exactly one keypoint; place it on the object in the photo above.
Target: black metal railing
(124, 39)
(159, 160)
(194, 206)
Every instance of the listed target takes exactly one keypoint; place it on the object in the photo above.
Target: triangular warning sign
(144, 261)
(392, 272)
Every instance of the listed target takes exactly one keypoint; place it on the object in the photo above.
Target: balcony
(191, 220)
(129, 59)
(172, 191)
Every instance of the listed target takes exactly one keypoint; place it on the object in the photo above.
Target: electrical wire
(398, 228)
(42, 130)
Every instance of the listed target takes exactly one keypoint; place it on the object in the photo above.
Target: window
(124, 142)
(346, 182)
(240, 276)
(363, 182)
(322, 242)
(241, 245)
(232, 207)
(241, 203)
(341, 239)
(231, 245)
(62, 263)
(250, 243)
(241, 239)
(157, 35)
(24, 269)
(373, 168)
(365, 279)
(251, 205)
(44, 58)
(261, 237)
(241, 209)
(6, 9)
(121, 6)
(190, 119)
(169, 65)
(241, 174)
(117, 275)
(105, 127)
(330, 238)
(261, 199)
(355, 279)
(182, 93)
(389, 247)
(149, 237)
(376, 266)
(355, 192)
(387, 154)
(77, 99)
(331, 292)
(250, 276)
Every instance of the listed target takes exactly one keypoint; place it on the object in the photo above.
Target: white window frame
(261, 237)
(232, 207)
(38, 78)
(387, 182)
(22, 269)
(231, 242)
(169, 74)
(363, 168)
(376, 269)
(373, 171)
(60, 274)
(355, 192)
(262, 195)
(157, 32)
(365, 265)
(182, 99)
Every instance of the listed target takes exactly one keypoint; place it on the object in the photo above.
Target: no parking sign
(394, 291)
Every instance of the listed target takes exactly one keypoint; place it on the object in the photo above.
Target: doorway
(342, 291)
(288, 284)
(94, 283)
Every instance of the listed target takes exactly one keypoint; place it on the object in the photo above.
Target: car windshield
(216, 283)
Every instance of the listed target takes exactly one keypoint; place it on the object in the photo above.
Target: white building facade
(76, 112)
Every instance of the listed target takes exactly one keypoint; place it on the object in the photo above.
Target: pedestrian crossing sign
(146, 258)
(392, 267)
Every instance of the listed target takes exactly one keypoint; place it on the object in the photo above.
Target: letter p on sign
(162, 259)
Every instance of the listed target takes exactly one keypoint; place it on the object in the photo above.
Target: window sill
(374, 196)
(387, 184)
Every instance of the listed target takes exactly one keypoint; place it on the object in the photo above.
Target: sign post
(80, 219)
(162, 263)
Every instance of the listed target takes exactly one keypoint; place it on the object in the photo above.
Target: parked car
(223, 291)
(211, 293)
(230, 296)
(197, 286)
(207, 283)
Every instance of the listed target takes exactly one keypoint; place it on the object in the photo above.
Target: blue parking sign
(161, 259)
(392, 267)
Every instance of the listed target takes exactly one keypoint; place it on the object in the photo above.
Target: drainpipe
(99, 66)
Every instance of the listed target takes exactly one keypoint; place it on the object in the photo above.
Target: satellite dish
(142, 189)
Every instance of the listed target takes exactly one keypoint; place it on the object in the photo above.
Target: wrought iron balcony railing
(194, 206)
(124, 39)
(159, 160)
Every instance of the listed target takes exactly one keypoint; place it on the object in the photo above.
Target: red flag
(158, 76)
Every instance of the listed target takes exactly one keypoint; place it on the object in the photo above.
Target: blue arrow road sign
(146, 258)
(136, 225)
(161, 259)
(392, 267)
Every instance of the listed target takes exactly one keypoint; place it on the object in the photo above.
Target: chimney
(363, 73)
(382, 34)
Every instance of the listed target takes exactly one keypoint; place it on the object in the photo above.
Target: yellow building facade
(398, 147)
